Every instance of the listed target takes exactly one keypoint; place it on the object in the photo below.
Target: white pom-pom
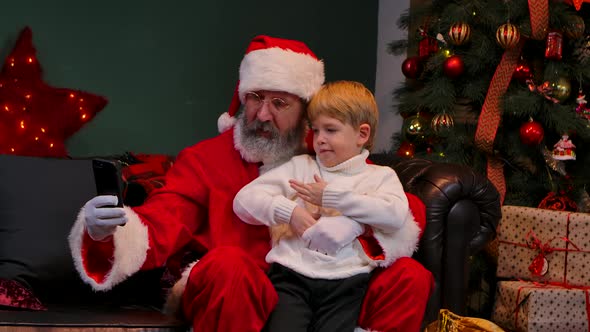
(225, 122)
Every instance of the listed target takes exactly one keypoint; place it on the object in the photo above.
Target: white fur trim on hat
(225, 122)
(131, 246)
(278, 69)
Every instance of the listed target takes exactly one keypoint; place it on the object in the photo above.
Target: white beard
(271, 151)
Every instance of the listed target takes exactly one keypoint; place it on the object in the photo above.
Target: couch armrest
(462, 212)
(442, 185)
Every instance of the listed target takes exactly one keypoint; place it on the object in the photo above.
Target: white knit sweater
(369, 194)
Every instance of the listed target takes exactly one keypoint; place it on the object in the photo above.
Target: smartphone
(107, 177)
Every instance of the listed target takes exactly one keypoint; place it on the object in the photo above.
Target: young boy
(321, 286)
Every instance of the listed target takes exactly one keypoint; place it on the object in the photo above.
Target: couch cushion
(39, 201)
(15, 295)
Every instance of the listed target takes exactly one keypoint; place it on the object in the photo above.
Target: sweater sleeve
(267, 200)
(384, 208)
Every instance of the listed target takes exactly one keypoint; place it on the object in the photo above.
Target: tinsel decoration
(581, 50)
(556, 165)
(507, 35)
(558, 202)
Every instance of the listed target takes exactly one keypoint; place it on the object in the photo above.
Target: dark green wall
(169, 68)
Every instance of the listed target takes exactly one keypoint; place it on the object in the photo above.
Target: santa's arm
(171, 210)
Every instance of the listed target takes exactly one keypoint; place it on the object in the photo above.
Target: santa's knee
(225, 266)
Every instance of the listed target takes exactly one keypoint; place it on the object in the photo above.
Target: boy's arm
(385, 209)
(265, 201)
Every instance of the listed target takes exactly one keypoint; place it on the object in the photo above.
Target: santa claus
(227, 288)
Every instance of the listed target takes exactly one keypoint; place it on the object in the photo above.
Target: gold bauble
(507, 35)
(459, 33)
(561, 89)
(416, 129)
(575, 28)
(441, 123)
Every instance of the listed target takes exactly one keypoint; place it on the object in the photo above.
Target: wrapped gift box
(544, 245)
(533, 307)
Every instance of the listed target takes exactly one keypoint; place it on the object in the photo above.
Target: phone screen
(107, 176)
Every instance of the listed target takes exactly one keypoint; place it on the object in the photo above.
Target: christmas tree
(500, 86)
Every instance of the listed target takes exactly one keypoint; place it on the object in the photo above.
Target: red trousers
(227, 291)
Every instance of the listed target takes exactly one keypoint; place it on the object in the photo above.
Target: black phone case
(107, 177)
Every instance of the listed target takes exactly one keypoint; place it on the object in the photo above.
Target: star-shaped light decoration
(576, 3)
(36, 119)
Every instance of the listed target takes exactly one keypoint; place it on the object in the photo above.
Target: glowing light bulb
(28, 96)
(30, 60)
(42, 130)
(6, 108)
(83, 116)
(72, 95)
(51, 145)
(36, 138)
(22, 124)
(12, 149)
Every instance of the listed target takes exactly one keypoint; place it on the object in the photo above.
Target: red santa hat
(278, 65)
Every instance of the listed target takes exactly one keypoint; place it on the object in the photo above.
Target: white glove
(330, 234)
(102, 221)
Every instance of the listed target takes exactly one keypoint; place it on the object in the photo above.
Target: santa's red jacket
(194, 210)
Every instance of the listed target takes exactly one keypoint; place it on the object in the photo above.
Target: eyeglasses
(255, 101)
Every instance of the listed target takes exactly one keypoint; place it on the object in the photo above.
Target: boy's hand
(301, 220)
(331, 234)
(310, 192)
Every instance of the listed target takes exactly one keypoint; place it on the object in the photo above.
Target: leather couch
(463, 210)
(462, 213)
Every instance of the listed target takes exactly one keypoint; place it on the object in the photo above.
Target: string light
(54, 111)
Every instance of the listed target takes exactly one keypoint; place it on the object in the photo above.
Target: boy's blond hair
(348, 101)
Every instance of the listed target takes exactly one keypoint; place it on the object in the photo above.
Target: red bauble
(522, 72)
(406, 150)
(412, 67)
(453, 66)
(531, 133)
